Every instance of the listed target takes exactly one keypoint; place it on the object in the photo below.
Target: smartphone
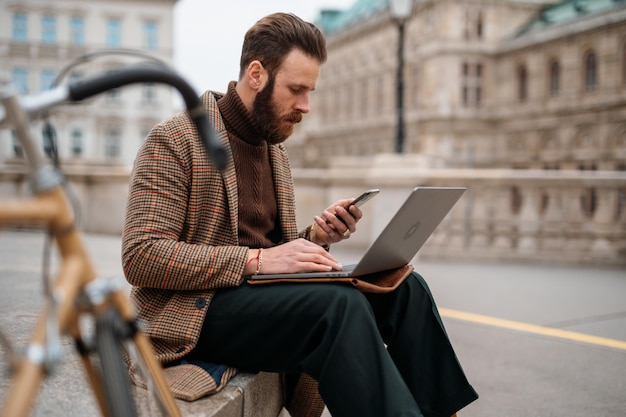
(366, 196)
(360, 200)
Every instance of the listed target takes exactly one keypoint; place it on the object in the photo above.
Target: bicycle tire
(154, 400)
(118, 394)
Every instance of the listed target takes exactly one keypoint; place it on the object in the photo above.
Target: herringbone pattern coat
(180, 244)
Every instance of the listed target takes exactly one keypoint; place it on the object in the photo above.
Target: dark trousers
(338, 335)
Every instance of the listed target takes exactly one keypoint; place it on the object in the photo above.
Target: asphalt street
(535, 340)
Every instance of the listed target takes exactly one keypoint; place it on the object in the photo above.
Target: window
(77, 142)
(112, 143)
(150, 35)
(555, 77)
(589, 201)
(19, 78)
(471, 84)
(148, 93)
(474, 25)
(47, 78)
(590, 71)
(48, 29)
(113, 33)
(20, 27)
(77, 31)
(522, 83)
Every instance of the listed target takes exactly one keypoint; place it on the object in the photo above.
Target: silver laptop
(401, 239)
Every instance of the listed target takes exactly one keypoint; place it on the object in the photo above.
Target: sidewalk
(535, 340)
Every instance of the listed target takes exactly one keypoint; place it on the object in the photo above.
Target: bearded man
(193, 234)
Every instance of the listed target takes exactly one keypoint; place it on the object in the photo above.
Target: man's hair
(274, 36)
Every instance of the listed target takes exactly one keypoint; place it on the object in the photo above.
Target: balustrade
(510, 215)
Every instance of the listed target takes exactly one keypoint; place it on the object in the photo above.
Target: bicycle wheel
(157, 398)
(110, 335)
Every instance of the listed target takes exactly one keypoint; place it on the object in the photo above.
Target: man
(193, 234)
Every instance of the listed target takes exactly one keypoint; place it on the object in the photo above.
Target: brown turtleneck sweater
(259, 226)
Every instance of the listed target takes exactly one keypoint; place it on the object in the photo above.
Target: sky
(208, 34)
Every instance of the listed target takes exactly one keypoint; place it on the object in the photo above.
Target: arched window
(522, 83)
(590, 71)
(555, 77)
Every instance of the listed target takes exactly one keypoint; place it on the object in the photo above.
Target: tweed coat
(180, 244)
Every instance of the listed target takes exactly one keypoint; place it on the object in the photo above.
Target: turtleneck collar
(237, 118)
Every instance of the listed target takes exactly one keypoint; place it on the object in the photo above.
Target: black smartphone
(366, 196)
(360, 200)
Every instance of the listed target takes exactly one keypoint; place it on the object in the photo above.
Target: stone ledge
(246, 395)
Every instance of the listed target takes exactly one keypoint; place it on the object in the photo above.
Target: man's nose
(302, 104)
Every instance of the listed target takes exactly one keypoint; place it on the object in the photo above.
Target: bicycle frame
(76, 288)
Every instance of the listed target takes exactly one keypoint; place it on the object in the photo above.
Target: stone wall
(572, 217)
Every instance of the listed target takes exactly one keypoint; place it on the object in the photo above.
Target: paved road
(535, 340)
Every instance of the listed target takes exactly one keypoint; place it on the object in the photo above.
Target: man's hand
(297, 256)
(336, 223)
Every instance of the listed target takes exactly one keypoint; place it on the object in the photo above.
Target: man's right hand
(296, 256)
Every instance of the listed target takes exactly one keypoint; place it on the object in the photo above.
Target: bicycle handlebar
(81, 90)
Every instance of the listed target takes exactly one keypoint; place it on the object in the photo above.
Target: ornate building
(38, 38)
(488, 84)
(521, 101)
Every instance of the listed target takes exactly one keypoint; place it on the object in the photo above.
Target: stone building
(38, 38)
(487, 84)
(521, 101)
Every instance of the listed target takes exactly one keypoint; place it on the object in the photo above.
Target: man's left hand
(336, 223)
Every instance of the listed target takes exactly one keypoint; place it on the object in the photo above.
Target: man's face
(282, 101)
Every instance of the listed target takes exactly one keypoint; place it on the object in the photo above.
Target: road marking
(531, 328)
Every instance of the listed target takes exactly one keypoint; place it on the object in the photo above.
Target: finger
(356, 212)
(347, 218)
(341, 224)
(325, 223)
(314, 254)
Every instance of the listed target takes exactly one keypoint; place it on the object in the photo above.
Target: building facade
(487, 84)
(521, 101)
(39, 39)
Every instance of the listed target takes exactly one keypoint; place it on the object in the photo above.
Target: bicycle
(77, 291)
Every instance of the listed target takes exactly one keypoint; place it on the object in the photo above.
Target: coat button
(200, 303)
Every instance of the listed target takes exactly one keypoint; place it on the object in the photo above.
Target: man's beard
(265, 114)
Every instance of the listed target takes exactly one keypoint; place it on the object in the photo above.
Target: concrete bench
(246, 395)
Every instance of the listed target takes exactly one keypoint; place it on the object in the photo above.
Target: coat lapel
(229, 176)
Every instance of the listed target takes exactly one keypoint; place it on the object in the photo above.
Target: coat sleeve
(177, 234)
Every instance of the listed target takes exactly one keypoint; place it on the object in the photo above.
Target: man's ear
(256, 75)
